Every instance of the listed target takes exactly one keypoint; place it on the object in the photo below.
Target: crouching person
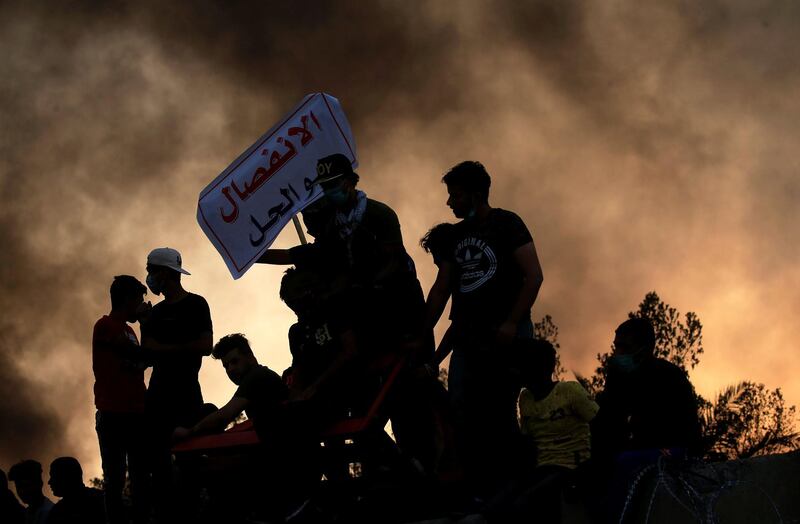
(276, 468)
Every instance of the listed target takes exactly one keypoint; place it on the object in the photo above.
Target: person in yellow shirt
(554, 416)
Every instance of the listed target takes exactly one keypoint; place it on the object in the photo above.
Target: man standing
(493, 274)
(27, 479)
(361, 243)
(177, 333)
(119, 392)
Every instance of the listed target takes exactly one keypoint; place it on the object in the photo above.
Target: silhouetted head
(633, 336)
(536, 360)
(303, 290)
(468, 188)
(66, 476)
(164, 269)
(236, 356)
(127, 294)
(316, 217)
(439, 241)
(27, 479)
(634, 342)
(338, 180)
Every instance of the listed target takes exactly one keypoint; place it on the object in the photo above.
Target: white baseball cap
(166, 257)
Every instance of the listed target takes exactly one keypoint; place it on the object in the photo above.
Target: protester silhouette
(555, 416)
(359, 239)
(439, 242)
(648, 412)
(323, 345)
(27, 479)
(284, 466)
(177, 334)
(260, 394)
(79, 504)
(119, 392)
(648, 403)
(361, 245)
(11, 511)
(493, 274)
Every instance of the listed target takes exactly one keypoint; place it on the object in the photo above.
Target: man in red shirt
(119, 397)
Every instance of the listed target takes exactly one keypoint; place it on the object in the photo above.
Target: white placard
(246, 206)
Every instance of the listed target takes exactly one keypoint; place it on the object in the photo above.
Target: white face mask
(154, 285)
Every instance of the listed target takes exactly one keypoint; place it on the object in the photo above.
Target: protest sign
(246, 206)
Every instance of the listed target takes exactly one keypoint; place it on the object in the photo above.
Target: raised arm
(278, 257)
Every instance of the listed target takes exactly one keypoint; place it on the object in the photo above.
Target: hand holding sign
(246, 206)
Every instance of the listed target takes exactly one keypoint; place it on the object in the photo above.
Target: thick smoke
(648, 146)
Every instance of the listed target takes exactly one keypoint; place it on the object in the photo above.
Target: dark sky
(648, 145)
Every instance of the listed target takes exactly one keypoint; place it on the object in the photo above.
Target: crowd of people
(514, 435)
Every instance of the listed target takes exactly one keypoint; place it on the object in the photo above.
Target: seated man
(79, 504)
(260, 394)
(323, 346)
(337, 348)
(285, 463)
(555, 416)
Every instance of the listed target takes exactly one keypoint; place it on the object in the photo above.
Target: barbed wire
(703, 508)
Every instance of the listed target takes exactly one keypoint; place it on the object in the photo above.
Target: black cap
(332, 167)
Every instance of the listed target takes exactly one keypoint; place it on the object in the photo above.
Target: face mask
(336, 196)
(623, 363)
(154, 284)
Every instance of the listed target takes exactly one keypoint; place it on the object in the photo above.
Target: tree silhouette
(744, 420)
(546, 329)
(678, 341)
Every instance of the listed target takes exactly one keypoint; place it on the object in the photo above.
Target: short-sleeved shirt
(264, 391)
(559, 423)
(314, 344)
(486, 279)
(174, 384)
(85, 507)
(118, 382)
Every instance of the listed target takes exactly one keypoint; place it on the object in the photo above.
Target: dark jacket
(653, 407)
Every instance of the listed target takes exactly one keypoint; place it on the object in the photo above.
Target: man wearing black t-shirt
(493, 275)
(285, 465)
(177, 333)
(260, 394)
